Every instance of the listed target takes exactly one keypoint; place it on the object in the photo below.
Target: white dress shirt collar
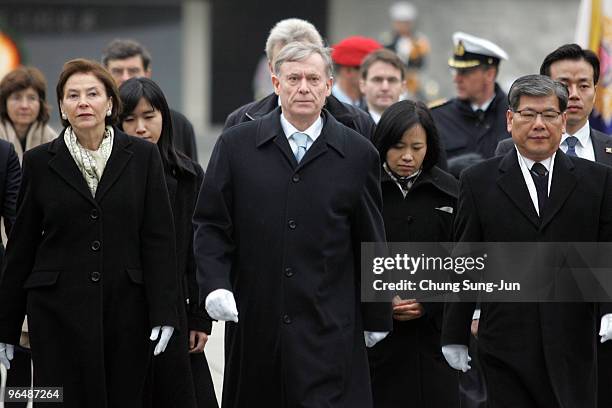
(484, 106)
(313, 132)
(525, 165)
(584, 147)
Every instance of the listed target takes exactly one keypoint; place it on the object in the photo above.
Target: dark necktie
(480, 115)
(571, 146)
(539, 174)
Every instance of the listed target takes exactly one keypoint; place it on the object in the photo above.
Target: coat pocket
(41, 278)
(135, 275)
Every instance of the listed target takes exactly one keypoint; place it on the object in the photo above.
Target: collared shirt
(343, 97)
(584, 147)
(313, 132)
(525, 165)
(375, 116)
(484, 106)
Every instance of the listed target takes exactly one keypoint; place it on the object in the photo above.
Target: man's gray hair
(537, 85)
(290, 30)
(299, 51)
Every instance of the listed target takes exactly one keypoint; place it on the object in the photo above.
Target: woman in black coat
(91, 256)
(407, 367)
(146, 115)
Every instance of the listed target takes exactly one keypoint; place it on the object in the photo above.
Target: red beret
(352, 50)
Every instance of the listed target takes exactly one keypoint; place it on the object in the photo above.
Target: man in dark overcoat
(579, 70)
(539, 355)
(285, 203)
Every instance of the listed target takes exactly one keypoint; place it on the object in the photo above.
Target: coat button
(288, 272)
(95, 245)
(287, 319)
(292, 224)
(409, 219)
(296, 178)
(95, 276)
(94, 214)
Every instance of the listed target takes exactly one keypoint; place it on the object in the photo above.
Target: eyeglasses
(530, 115)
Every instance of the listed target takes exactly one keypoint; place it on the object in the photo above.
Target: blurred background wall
(205, 52)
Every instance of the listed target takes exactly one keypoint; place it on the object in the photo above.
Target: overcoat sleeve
(19, 258)
(11, 189)
(458, 316)
(213, 242)
(197, 317)
(369, 227)
(605, 228)
(158, 247)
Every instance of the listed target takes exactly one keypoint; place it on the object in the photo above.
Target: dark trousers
(20, 373)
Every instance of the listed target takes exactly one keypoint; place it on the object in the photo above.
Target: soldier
(475, 120)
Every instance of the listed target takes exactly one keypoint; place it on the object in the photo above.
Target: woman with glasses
(407, 368)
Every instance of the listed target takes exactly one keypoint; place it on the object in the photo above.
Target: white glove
(371, 338)
(221, 305)
(606, 328)
(457, 356)
(6, 354)
(166, 333)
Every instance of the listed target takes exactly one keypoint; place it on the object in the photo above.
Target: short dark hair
(382, 55)
(537, 85)
(19, 79)
(120, 49)
(85, 66)
(131, 92)
(400, 117)
(571, 52)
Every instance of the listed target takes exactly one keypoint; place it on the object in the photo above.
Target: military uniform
(463, 130)
(466, 126)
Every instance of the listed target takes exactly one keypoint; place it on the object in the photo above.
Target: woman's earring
(64, 116)
(109, 112)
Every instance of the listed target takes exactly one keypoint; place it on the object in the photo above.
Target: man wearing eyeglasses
(578, 69)
(474, 121)
(536, 355)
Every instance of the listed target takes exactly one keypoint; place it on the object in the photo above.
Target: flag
(594, 31)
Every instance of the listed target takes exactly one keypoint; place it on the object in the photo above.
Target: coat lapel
(602, 146)
(511, 181)
(270, 128)
(564, 180)
(117, 161)
(63, 164)
(331, 135)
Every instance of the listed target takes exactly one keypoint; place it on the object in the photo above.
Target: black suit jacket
(602, 147)
(547, 345)
(348, 115)
(184, 135)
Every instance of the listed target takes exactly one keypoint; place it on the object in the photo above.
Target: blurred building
(205, 52)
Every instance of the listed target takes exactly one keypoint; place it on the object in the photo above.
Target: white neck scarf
(91, 163)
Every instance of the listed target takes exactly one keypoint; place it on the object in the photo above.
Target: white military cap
(471, 51)
(403, 11)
